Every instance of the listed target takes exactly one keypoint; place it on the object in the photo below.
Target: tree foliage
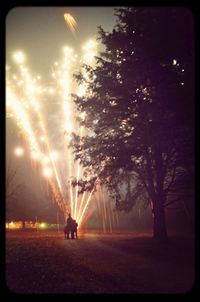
(139, 109)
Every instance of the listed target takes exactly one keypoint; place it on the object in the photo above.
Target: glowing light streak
(22, 118)
(71, 22)
(22, 99)
(64, 81)
(80, 207)
(85, 207)
(78, 174)
(24, 123)
(30, 93)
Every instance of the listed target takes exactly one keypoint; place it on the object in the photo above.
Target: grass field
(128, 262)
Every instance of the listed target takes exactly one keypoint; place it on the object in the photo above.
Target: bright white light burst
(19, 57)
(19, 151)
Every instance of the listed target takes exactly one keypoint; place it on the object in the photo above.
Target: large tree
(139, 110)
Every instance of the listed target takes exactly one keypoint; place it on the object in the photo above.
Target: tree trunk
(160, 231)
(156, 192)
(159, 223)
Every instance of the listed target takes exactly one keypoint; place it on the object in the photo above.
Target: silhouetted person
(69, 219)
(66, 231)
(74, 230)
(71, 228)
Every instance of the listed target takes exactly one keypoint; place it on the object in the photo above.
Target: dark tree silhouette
(139, 111)
(12, 187)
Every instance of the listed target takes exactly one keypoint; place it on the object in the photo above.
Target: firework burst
(25, 102)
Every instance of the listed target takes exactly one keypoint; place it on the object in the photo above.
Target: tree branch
(166, 191)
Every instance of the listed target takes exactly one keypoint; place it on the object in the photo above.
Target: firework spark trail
(89, 52)
(24, 124)
(99, 204)
(64, 81)
(58, 197)
(24, 109)
(20, 110)
(77, 177)
(85, 207)
(71, 22)
(22, 118)
(52, 161)
(81, 218)
(81, 205)
(30, 95)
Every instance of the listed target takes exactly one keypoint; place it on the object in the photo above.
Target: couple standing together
(71, 228)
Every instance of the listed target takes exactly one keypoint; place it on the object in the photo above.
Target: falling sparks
(89, 49)
(25, 102)
(71, 22)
